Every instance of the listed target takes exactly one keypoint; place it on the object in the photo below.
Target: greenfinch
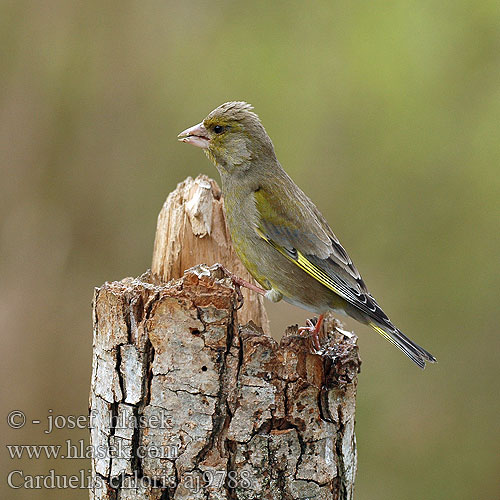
(277, 231)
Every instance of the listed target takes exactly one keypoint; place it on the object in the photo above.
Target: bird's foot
(313, 329)
(240, 282)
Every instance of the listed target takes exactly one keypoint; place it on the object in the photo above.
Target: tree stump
(188, 403)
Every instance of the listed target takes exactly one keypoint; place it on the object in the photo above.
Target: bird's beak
(196, 135)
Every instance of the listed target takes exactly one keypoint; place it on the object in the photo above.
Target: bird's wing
(302, 235)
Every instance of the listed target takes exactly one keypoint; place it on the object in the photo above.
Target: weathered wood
(191, 230)
(187, 402)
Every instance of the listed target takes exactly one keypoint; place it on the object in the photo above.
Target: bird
(278, 233)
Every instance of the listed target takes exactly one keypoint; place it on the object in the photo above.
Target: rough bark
(188, 403)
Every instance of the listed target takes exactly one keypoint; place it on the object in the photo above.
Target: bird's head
(231, 136)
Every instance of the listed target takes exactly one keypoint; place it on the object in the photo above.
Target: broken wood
(192, 230)
(188, 402)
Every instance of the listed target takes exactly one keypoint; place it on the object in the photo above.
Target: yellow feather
(384, 334)
(301, 261)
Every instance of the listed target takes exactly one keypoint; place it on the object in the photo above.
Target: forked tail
(416, 353)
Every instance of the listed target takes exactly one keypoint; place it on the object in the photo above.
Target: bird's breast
(242, 218)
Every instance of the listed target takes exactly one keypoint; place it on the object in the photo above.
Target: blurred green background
(387, 113)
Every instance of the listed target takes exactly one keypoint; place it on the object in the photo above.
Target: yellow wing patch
(384, 334)
(301, 261)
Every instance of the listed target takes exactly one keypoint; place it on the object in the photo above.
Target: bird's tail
(416, 353)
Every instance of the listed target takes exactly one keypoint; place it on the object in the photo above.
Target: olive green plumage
(277, 231)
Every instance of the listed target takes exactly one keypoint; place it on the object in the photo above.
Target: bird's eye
(218, 129)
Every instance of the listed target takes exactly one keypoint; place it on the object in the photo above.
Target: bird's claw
(239, 282)
(237, 288)
(313, 329)
(310, 326)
